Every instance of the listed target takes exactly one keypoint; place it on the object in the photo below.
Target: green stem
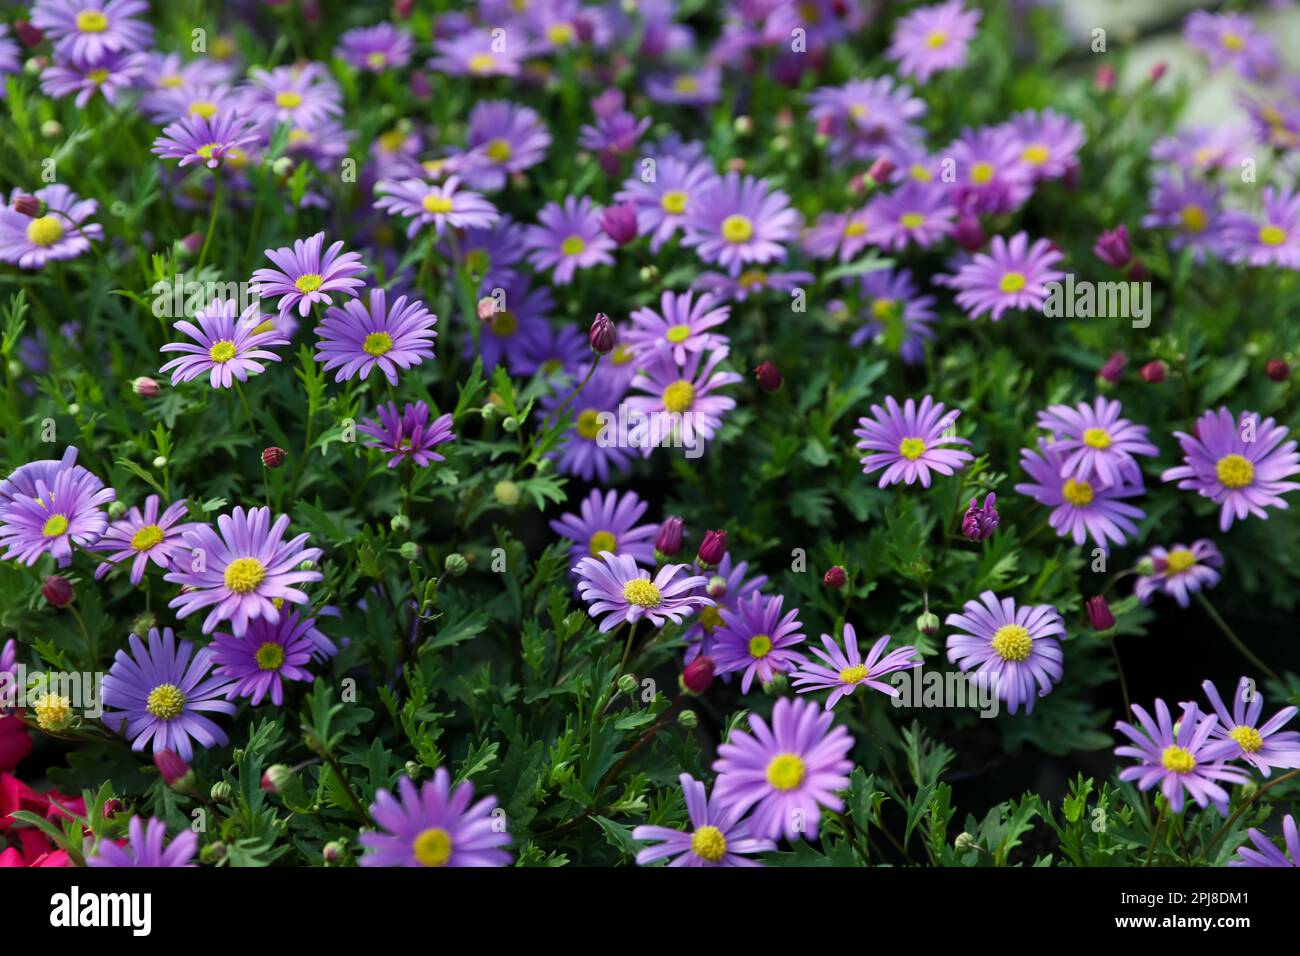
(212, 219)
(1228, 633)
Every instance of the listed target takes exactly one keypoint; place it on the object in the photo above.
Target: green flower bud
(627, 684)
(413, 769)
(160, 462)
(222, 792)
(510, 425)
(688, 718)
(74, 409)
(409, 550)
(928, 623)
(1146, 567)
(507, 493)
(964, 841)
(455, 564)
(116, 509)
(213, 853)
(400, 523)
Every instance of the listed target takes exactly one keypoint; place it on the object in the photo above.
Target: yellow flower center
(98, 77)
(1250, 739)
(377, 60)
(437, 205)
(854, 228)
(912, 220)
(288, 100)
(686, 84)
(146, 537)
(53, 712)
(621, 355)
(674, 202)
(392, 140)
(432, 847)
(936, 39)
(172, 81)
(1272, 235)
(1012, 642)
(1097, 438)
(920, 173)
(573, 246)
(851, 675)
(204, 108)
(1036, 154)
(560, 33)
(642, 592)
(786, 771)
(737, 228)
(92, 21)
(981, 173)
(244, 574)
(377, 344)
(482, 63)
(602, 541)
(498, 151)
(678, 334)
(588, 424)
(911, 448)
(753, 279)
(710, 619)
(679, 396)
(709, 844)
(1077, 493)
(1179, 560)
(308, 282)
(1233, 41)
(1012, 282)
(1178, 759)
(760, 645)
(504, 324)
(54, 526)
(45, 231)
(270, 656)
(165, 701)
(222, 351)
(1194, 218)
(1235, 471)
(885, 309)
(206, 151)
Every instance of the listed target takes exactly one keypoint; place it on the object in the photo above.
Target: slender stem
(1123, 684)
(1155, 835)
(248, 412)
(212, 218)
(1227, 631)
(627, 649)
(581, 385)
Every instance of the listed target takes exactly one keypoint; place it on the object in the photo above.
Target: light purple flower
(146, 846)
(993, 177)
(755, 638)
(434, 826)
(1232, 40)
(519, 317)
(681, 326)
(303, 277)
(582, 452)
(62, 233)
(476, 52)
(198, 139)
(1204, 149)
(908, 441)
(681, 404)
(718, 836)
(568, 238)
(1183, 758)
(1265, 852)
(376, 49)
(24, 481)
(1013, 649)
(751, 282)
(303, 96)
(915, 212)
(664, 204)
(1100, 444)
(900, 318)
(843, 671)
(1264, 746)
(502, 138)
(686, 87)
(1270, 239)
(141, 538)
(85, 30)
(608, 522)
(614, 586)
(864, 118)
(737, 221)
(929, 40)
(408, 435)
(358, 337)
(444, 206)
(1011, 275)
(1080, 508)
(57, 515)
(1194, 210)
(727, 586)
(1049, 142)
(266, 656)
(1180, 571)
(839, 235)
(110, 74)
(229, 345)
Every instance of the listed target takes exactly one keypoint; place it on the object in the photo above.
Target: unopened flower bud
(1113, 248)
(57, 590)
(506, 493)
(192, 243)
(174, 770)
(53, 712)
(334, 852)
(881, 170)
(1146, 566)
(768, 376)
(649, 275)
(160, 461)
(399, 523)
(698, 675)
(408, 550)
(669, 542)
(968, 233)
(688, 719)
(627, 684)
(74, 409)
(835, 577)
(213, 852)
(1154, 372)
(146, 387)
(743, 125)
(486, 308)
(1113, 370)
(274, 456)
(28, 35)
(712, 549)
(1104, 78)
(1157, 71)
(111, 808)
(964, 841)
(222, 792)
(276, 778)
(1277, 370)
(1099, 613)
(928, 623)
(717, 587)
(26, 205)
(619, 222)
(51, 129)
(602, 336)
(282, 167)
(455, 564)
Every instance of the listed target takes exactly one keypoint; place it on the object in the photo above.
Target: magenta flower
(229, 346)
(718, 836)
(568, 238)
(681, 326)
(146, 846)
(408, 435)
(614, 586)
(843, 671)
(1016, 650)
(908, 441)
(59, 514)
(1237, 465)
(436, 825)
(608, 522)
(358, 337)
(1100, 444)
(737, 221)
(442, 206)
(755, 638)
(200, 139)
(1081, 508)
(142, 538)
(303, 277)
(1180, 571)
(1264, 746)
(1183, 757)
(913, 213)
(64, 232)
(266, 656)
(1011, 275)
(929, 40)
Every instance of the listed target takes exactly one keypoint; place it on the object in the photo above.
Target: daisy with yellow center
(148, 536)
(1248, 738)
(482, 63)
(270, 656)
(760, 645)
(204, 108)
(1077, 493)
(588, 424)
(92, 21)
(288, 100)
(786, 772)
(573, 246)
(1177, 759)
(1194, 218)
(1271, 235)
(737, 229)
(308, 282)
(432, 847)
(1097, 438)
(709, 844)
(44, 231)
(602, 541)
(437, 205)
(673, 202)
(166, 701)
(54, 526)
(1012, 642)
(222, 351)
(377, 344)
(1234, 471)
(498, 151)
(679, 396)
(981, 173)
(642, 592)
(1012, 282)
(1179, 560)
(911, 448)
(678, 334)
(243, 575)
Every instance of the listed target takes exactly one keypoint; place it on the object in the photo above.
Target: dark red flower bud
(698, 675)
(274, 456)
(1099, 615)
(176, 773)
(619, 222)
(1157, 71)
(834, 577)
(1277, 370)
(1104, 78)
(1113, 370)
(28, 35)
(1113, 248)
(1154, 372)
(276, 777)
(712, 549)
(968, 233)
(669, 542)
(602, 336)
(26, 205)
(1138, 271)
(112, 807)
(402, 9)
(769, 377)
(881, 169)
(57, 590)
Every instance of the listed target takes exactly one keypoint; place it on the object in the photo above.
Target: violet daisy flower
(1182, 757)
(502, 138)
(1232, 40)
(664, 204)
(146, 846)
(900, 318)
(608, 522)
(141, 538)
(1180, 571)
(23, 481)
(520, 316)
(681, 406)
(615, 132)
(162, 694)
(108, 75)
(557, 353)
(727, 288)
(568, 238)
(863, 117)
(992, 175)
(1272, 239)
(376, 48)
(229, 345)
(358, 337)
(10, 57)
(1011, 275)
(1099, 442)
(408, 435)
(839, 235)
(61, 513)
(727, 586)
(62, 233)
(1194, 210)
(1049, 142)
(915, 212)
(303, 276)
(90, 29)
(434, 826)
(301, 96)
(1204, 149)
(933, 39)
(587, 450)
(1081, 508)
(1265, 852)
(1013, 649)
(757, 639)
(168, 105)
(908, 441)
(1265, 746)
(243, 571)
(477, 53)
(844, 671)
(681, 326)
(444, 206)
(686, 87)
(264, 658)
(786, 771)
(738, 220)
(613, 585)
(1244, 477)
(718, 836)
(200, 139)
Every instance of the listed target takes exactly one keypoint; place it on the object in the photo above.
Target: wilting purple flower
(786, 771)
(1272, 239)
(141, 538)
(568, 238)
(161, 694)
(266, 656)
(1265, 746)
(1265, 852)
(843, 671)
(10, 58)
(502, 138)
(303, 277)
(229, 345)
(1011, 275)
(1049, 142)
(435, 825)
(929, 40)
(862, 117)
(1081, 508)
(718, 837)
(664, 205)
(358, 337)
(978, 524)
(62, 233)
(681, 326)
(1013, 649)
(1099, 442)
(198, 139)
(1193, 210)
(408, 435)
(608, 522)
(915, 212)
(1244, 477)
(908, 441)
(376, 48)
(108, 75)
(145, 845)
(1232, 40)
(1182, 757)
(900, 318)
(613, 585)
(84, 30)
(1180, 571)
(57, 515)
(244, 572)
(839, 235)
(443, 206)
(302, 96)
(681, 403)
(737, 221)
(755, 638)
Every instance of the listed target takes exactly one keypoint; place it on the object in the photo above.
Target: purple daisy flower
(718, 835)
(914, 212)
(908, 441)
(839, 235)
(61, 513)
(738, 220)
(520, 316)
(844, 671)
(1232, 40)
(146, 846)
(444, 206)
(664, 204)
(491, 253)
(568, 238)
(1204, 149)
(1081, 508)
(900, 318)
(356, 338)
(1183, 758)
(171, 104)
(583, 452)
(1272, 239)
(992, 176)
(477, 53)
(864, 117)
(1194, 210)
(726, 288)
(615, 132)
(1265, 852)
(141, 538)
(930, 40)
(1011, 275)
(1265, 747)
(10, 56)
(756, 639)
(303, 276)
(435, 826)
(244, 572)
(681, 326)
(613, 585)
(681, 406)
(1244, 477)
(62, 233)
(727, 586)
(199, 139)
(786, 771)
(1049, 142)
(557, 353)
(24, 481)
(376, 49)
(1180, 571)
(699, 87)
(301, 96)
(408, 435)
(1015, 650)
(264, 658)
(502, 138)
(1100, 443)
(608, 522)
(162, 695)
(91, 29)
(109, 75)
(230, 345)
